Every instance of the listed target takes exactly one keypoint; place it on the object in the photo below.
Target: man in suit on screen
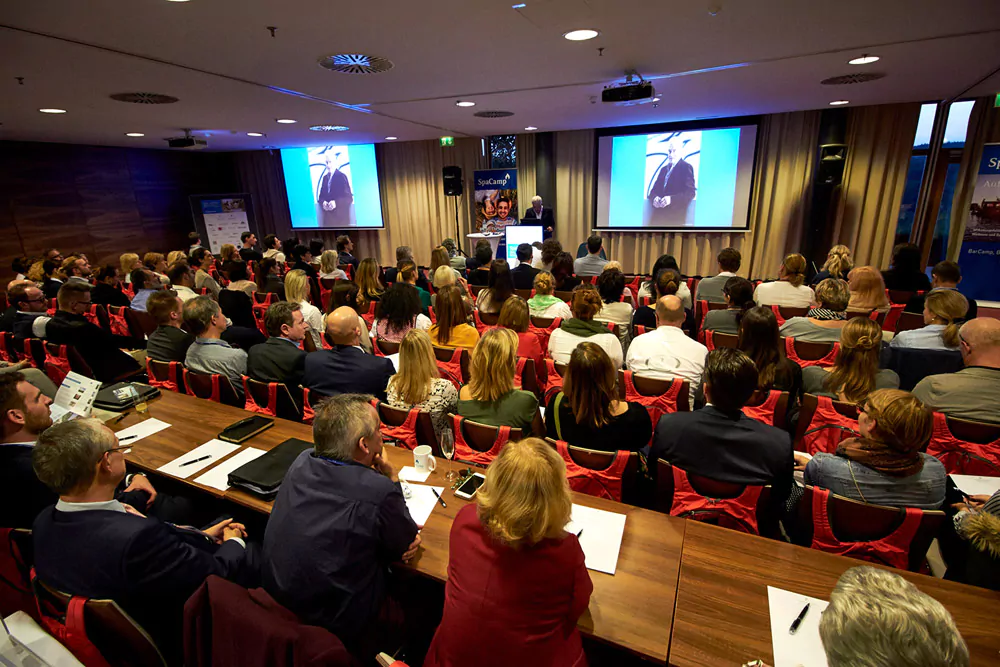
(335, 196)
(673, 187)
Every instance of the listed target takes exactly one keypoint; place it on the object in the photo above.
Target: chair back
(8, 348)
(165, 374)
(563, 296)
(784, 313)
(98, 316)
(476, 289)
(124, 322)
(909, 321)
(407, 428)
(265, 298)
(214, 387)
(770, 408)
(146, 321)
(913, 365)
(543, 327)
(478, 444)
(901, 296)
(610, 475)
(702, 308)
(824, 424)
(269, 398)
(16, 560)
(526, 376)
(326, 286)
(742, 507)
(554, 379)
(348, 269)
(384, 348)
(524, 293)
(806, 353)
(61, 359)
(645, 387)
(714, 339)
(485, 321)
(965, 447)
(34, 352)
(453, 364)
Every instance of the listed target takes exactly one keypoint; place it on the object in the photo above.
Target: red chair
(887, 319)
(265, 298)
(824, 424)
(479, 444)
(771, 409)
(8, 348)
(610, 475)
(908, 322)
(61, 359)
(485, 321)
(269, 398)
(965, 447)
(369, 317)
(701, 309)
(123, 322)
(308, 415)
(165, 374)
(659, 396)
(34, 352)
(16, 560)
(784, 313)
(407, 428)
(348, 269)
(543, 327)
(98, 316)
(525, 376)
(554, 383)
(742, 507)
(714, 339)
(806, 353)
(214, 387)
(453, 364)
(383, 348)
(326, 286)
(901, 297)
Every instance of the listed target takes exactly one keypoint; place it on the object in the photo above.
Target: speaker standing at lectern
(541, 213)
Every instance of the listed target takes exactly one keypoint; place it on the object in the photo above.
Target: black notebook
(263, 475)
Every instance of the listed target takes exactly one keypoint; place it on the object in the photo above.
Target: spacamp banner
(495, 199)
(980, 255)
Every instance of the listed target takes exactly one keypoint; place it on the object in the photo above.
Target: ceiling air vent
(143, 98)
(493, 114)
(848, 79)
(356, 63)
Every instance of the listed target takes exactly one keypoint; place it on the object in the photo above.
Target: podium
(494, 240)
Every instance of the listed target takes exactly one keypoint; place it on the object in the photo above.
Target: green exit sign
(996, 102)
(450, 141)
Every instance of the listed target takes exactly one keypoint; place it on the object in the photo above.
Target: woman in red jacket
(517, 582)
(515, 316)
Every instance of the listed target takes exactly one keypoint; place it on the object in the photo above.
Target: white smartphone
(469, 487)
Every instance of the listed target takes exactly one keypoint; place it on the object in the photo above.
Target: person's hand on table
(140, 483)
(972, 503)
(801, 459)
(411, 550)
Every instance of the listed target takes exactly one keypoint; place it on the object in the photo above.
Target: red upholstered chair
(824, 424)
(383, 348)
(61, 359)
(554, 383)
(770, 409)
(543, 327)
(214, 387)
(806, 353)
(453, 364)
(901, 296)
(407, 428)
(909, 321)
(16, 561)
(526, 377)
(783, 313)
(714, 339)
(966, 447)
(610, 475)
(8, 348)
(269, 398)
(485, 321)
(165, 374)
(563, 296)
(478, 444)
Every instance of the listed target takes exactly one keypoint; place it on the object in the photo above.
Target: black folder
(263, 475)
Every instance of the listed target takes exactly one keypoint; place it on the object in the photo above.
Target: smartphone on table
(469, 487)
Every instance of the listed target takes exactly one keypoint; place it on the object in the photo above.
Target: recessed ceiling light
(329, 128)
(839, 103)
(520, 5)
(177, 0)
(863, 60)
(461, 103)
(134, 134)
(52, 110)
(255, 134)
(581, 35)
(286, 121)
(530, 128)
(391, 138)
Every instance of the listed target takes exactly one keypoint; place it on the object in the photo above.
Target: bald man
(973, 392)
(667, 352)
(347, 368)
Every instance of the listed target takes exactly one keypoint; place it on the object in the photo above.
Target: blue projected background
(332, 187)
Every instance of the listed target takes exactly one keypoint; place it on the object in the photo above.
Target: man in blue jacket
(347, 368)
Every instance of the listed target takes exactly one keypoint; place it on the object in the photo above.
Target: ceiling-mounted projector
(187, 142)
(629, 92)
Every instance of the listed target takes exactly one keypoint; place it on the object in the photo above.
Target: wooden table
(633, 609)
(721, 617)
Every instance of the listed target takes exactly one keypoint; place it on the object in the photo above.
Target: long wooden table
(633, 609)
(722, 616)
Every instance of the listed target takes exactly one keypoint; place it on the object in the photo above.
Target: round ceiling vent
(329, 128)
(356, 63)
(848, 79)
(143, 98)
(493, 114)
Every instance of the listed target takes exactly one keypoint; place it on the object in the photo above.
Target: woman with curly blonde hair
(838, 264)
(855, 374)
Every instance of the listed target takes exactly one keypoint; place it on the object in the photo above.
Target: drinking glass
(447, 441)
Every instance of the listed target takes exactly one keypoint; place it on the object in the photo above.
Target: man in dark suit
(16, 291)
(248, 252)
(54, 279)
(101, 350)
(944, 275)
(719, 441)
(345, 246)
(334, 198)
(108, 291)
(168, 342)
(31, 305)
(279, 358)
(93, 546)
(524, 274)
(339, 521)
(673, 187)
(543, 215)
(347, 368)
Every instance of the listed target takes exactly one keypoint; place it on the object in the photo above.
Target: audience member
(479, 264)
(418, 384)
(855, 373)
(288, 248)
(944, 311)
(175, 256)
(878, 618)
(270, 283)
(238, 279)
(209, 354)
(279, 359)
(36, 272)
(666, 352)
(24, 414)
(92, 546)
(737, 294)
(203, 261)
(648, 288)
(297, 291)
(822, 324)
(973, 392)
(711, 289)
(944, 276)
(668, 282)
(550, 250)
(194, 242)
(499, 288)
(490, 396)
(838, 265)
(30, 320)
(760, 340)
(98, 348)
(370, 288)
(53, 279)
(884, 466)
(398, 312)
(228, 256)
(524, 273)
(451, 329)
(587, 412)
(316, 250)
(76, 268)
(593, 263)
(20, 266)
(345, 246)
(404, 253)
(328, 266)
(346, 368)
(455, 258)
(562, 273)
(867, 291)
(303, 261)
(338, 522)
(107, 291)
(345, 293)
(409, 275)
(582, 327)
(272, 249)
(144, 283)
(544, 303)
(611, 287)
(248, 252)
(720, 442)
(53, 255)
(788, 290)
(441, 256)
(157, 263)
(515, 533)
(15, 295)
(168, 342)
(904, 274)
(182, 279)
(514, 316)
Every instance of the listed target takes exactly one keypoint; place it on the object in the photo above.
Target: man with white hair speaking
(543, 214)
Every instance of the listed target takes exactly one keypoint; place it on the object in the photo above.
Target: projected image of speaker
(332, 187)
(452, 181)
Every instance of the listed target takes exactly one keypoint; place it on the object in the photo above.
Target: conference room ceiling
(232, 77)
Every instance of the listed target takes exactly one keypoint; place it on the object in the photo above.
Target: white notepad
(804, 648)
(422, 502)
(218, 477)
(601, 538)
(216, 449)
(976, 485)
(141, 430)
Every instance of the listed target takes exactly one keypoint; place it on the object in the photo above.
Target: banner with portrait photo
(980, 256)
(495, 199)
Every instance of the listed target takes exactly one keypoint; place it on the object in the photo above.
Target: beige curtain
(526, 181)
(574, 204)
(984, 128)
(879, 145)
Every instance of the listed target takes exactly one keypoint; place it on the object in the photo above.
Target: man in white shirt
(710, 289)
(593, 263)
(667, 352)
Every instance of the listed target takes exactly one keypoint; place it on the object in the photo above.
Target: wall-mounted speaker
(452, 181)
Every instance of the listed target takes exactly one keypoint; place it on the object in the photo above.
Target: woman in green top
(490, 397)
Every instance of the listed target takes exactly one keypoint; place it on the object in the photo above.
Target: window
(503, 151)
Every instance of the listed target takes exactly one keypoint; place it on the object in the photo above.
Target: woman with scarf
(583, 328)
(822, 324)
(544, 303)
(884, 466)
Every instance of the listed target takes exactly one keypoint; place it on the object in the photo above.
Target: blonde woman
(838, 264)
(297, 291)
(583, 327)
(176, 256)
(370, 288)
(129, 262)
(823, 323)
(515, 533)
(442, 278)
(417, 383)
(328, 266)
(544, 304)
(789, 289)
(490, 397)
(944, 311)
(855, 374)
(867, 290)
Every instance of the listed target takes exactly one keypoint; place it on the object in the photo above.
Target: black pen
(201, 458)
(579, 533)
(798, 620)
(440, 499)
(127, 437)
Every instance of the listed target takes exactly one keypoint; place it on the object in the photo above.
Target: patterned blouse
(442, 399)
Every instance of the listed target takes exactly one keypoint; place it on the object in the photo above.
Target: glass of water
(447, 441)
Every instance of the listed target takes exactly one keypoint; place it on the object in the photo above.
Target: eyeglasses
(124, 449)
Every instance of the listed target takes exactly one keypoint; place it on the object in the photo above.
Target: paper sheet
(217, 449)
(601, 539)
(804, 648)
(31, 636)
(394, 358)
(76, 394)
(411, 474)
(144, 428)
(422, 502)
(975, 485)
(218, 477)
